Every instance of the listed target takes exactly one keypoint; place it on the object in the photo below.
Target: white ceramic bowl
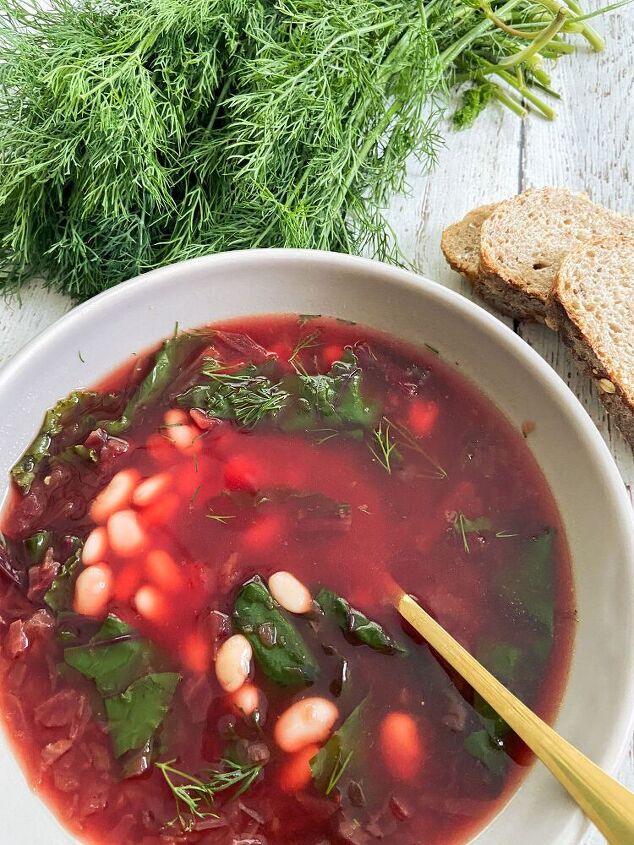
(596, 711)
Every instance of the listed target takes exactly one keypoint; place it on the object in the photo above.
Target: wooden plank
(588, 149)
(23, 320)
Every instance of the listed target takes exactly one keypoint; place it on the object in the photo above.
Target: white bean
(305, 722)
(233, 662)
(175, 417)
(290, 593)
(126, 534)
(115, 495)
(150, 489)
(93, 590)
(95, 547)
(149, 602)
(247, 699)
(178, 430)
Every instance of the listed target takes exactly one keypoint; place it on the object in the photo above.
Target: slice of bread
(524, 240)
(460, 242)
(593, 300)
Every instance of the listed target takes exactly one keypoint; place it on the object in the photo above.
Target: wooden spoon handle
(604, 800)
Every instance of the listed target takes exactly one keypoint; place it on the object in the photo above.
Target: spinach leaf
(167, 364)
(531, 585)
(59, 596)
(277, 645)
(502, 660)
(36, 545)
(134, 716)
(56, 418)
(464, 526)
(357, 624)
(508, 663)
(330, 763)
(484, 748)
(335, 399)
(113, 658)
(530, 589)
(9, 565)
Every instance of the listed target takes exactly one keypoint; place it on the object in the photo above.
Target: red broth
(416, 474)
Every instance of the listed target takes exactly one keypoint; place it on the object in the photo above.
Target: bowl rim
(614, 751)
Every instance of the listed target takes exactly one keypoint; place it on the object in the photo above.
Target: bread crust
(582, 322)
(460, 242)
(617, 404)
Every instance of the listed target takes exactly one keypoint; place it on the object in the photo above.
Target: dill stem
(591, 35)
(501, 95)
(541, 41)
(539, 104)
(451, 53)
(557, 48)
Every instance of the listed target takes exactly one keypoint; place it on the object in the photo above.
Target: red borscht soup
(195, 645)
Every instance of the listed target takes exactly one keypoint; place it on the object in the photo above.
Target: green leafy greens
(277, 645)
(25, 470)
(530, 589)
(334, 399)
(114, 657)
(59, 596)
(245, 396)
(465, 526)
(167, 364)
(121, 664)
(134, 716)
(356, 624)
(531, 584)
(137, 133)
(298, 402)
(329, 765)
(36, 545)
(80, 406)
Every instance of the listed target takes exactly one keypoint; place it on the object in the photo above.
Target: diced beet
(422, 417)
(41, 577)
(241, 473)
(60, 709)
(17, 641)
(54, 750)
(41, 624)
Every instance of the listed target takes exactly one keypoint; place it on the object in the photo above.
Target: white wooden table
(587, 148)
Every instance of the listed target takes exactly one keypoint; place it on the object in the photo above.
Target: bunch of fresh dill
(134, 133)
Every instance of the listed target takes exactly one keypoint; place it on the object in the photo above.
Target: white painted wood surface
(587, 148)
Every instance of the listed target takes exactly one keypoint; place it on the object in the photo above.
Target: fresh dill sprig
(195, 796)
(408, 441)
(459, 527)
(254, 401)
(252, 396)
(326, 434)
(465, 526)
(383, 446)
(309, 341)
(338, 770)
(222, 518)
(134, 133)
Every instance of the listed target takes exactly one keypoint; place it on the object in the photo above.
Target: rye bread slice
(524, 240)
(460, 242)
(593, 298)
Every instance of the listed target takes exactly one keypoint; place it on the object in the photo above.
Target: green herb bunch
(134, 134)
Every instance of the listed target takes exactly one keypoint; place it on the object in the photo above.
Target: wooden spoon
(604, 800)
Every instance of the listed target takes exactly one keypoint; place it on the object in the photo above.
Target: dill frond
(134, 134)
